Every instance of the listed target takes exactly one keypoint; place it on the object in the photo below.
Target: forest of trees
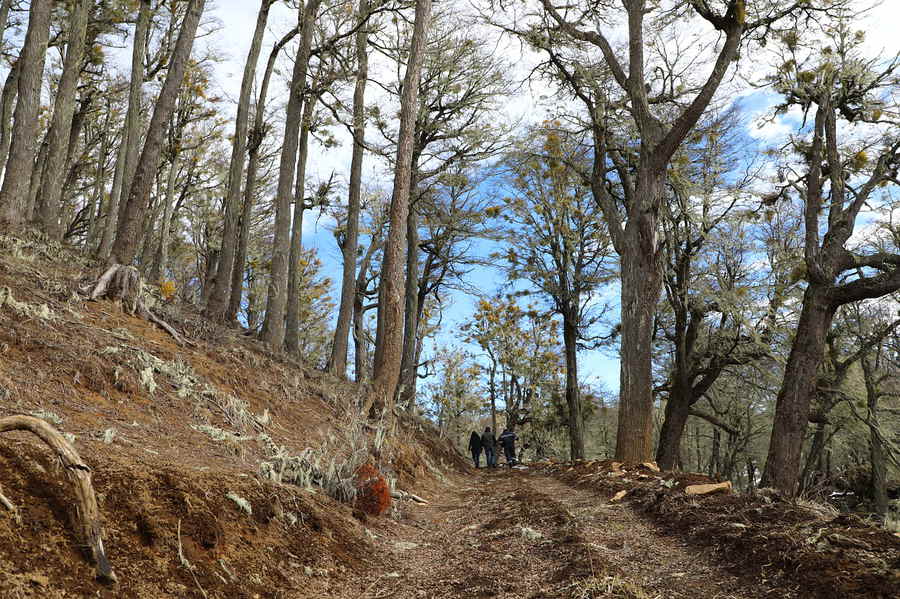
(746, 288)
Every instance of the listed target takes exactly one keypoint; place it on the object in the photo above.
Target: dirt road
(515, 534)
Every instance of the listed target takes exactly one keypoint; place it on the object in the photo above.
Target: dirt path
(521, 535)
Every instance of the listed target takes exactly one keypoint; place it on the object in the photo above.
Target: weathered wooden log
(708, 489)
(80, 474)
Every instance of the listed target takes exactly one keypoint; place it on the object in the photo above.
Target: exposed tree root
(9, 505)
(80, 475)
(124, 284)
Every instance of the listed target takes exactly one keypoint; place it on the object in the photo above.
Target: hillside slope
(186, 443)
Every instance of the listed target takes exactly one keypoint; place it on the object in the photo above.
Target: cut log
(79, 473)
(708, 489)
(400, 494)
(651, 466)
(619, 496)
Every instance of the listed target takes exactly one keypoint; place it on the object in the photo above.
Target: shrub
(167, 290)
(372, 493)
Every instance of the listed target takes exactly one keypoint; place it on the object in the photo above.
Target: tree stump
(124, 284)
(80, 474)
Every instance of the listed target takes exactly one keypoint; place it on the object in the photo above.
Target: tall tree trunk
(4, 18)
(19, 166)
(127, 234)
(813, 464)
(573, 395)
(678, 409)
(34, 186)
(212, 261)
(255, 144)
(61, 122)
(219, 298)
(641, 287)
(131, 132)
(408, 362)
(389, 333)
(99, 189)
(361, 352)
(792, 406)
(151, 218)
(877, 452)
(10, 90)
(161, 258)
(337, 363)
(276, 301)
(292, 334)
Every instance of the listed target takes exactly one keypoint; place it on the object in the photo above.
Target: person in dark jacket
(475, 448)
(488, 442)
(508, 441)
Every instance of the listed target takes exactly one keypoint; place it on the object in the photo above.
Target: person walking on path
(488, 443)
(508, 441)
(475, 448)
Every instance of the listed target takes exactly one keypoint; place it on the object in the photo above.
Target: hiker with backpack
(475, 448)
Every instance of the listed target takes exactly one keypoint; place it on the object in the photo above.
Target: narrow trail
(516, 534)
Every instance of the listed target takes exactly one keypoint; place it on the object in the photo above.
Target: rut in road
(515, 534)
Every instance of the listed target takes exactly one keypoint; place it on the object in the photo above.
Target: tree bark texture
(389, 336)
(128, 232)
(61, 122)
(641, 285)
(408, 362)
(10, 91)
(274, 326)
(677, 411)
(337, 363)
(219, 298)
(19, 165)
(792, 406)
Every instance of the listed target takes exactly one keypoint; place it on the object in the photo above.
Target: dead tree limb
(80, 474)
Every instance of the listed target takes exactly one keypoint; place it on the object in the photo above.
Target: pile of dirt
(209, 457)
(763, 533)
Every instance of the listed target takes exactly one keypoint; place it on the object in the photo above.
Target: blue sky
(236, 18)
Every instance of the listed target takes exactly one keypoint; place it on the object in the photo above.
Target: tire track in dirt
(513, 534)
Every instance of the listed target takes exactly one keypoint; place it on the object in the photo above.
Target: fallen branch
(80, 475)
(124, 284)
